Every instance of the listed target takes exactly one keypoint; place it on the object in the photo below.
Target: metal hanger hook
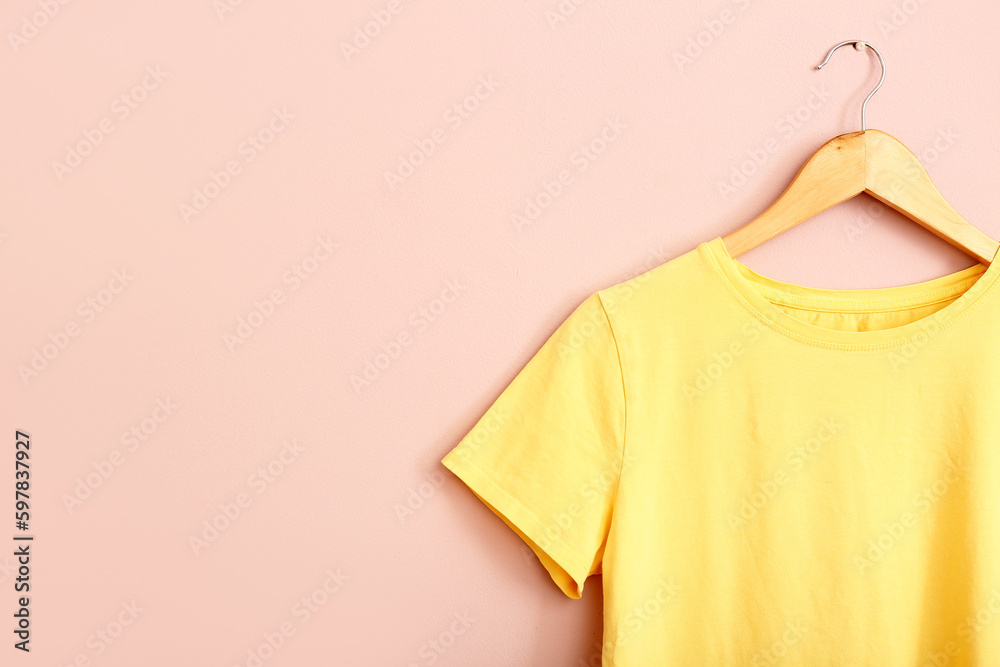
(860, 46)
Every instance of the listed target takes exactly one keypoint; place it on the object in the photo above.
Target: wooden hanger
(867, 161)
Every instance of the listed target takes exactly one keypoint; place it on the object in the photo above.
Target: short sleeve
(547, 455)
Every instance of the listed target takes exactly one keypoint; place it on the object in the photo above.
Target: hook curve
(859, 45)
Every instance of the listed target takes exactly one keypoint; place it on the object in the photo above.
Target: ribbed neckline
(759, 294)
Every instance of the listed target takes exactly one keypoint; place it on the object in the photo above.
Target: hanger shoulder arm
(834, 173)
(895, 176)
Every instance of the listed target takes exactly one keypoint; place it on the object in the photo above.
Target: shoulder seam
(621, 372)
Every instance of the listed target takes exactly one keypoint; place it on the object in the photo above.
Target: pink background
(297, 262)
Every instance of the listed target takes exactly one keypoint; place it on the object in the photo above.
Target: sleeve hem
(564, 565)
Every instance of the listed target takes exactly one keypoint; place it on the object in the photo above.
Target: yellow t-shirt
(763, 473)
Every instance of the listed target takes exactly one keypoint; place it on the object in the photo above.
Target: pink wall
(200, 248)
